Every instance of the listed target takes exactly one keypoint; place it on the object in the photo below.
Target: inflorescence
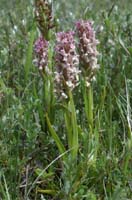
(41, 53)
(87, 49)
(69, 62)
(66, 61)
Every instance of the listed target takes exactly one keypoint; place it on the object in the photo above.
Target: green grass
(63, 151)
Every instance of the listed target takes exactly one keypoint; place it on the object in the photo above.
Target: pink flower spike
(87, 42)
(67, 60)
(87, 47)
(41, 53)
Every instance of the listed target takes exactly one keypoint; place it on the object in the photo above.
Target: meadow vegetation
(65, 149)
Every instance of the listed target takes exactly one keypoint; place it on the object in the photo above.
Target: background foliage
(25, 148)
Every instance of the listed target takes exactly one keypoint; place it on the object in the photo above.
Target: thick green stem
(72, 127)
(88, 103)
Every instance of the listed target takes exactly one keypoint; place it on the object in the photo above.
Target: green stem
(90, 107)
(74, 127)
(88, 104)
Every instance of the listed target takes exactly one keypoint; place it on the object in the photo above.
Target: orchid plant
(75, 64)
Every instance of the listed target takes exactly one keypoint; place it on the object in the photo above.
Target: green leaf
(51, 192)
(69, 128)
(74, 126)
(44, 175)
(123, 46)
(55, 136)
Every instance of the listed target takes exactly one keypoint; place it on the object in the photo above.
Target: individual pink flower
(66, 61)
(41, 53)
